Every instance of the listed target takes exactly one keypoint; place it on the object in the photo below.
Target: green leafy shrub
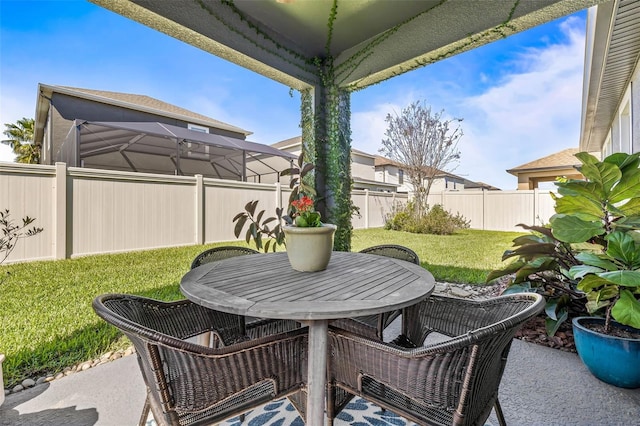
(441, 222)
(435, 221)
(401, 217)
(590, 253)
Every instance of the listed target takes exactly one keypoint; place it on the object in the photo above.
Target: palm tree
(20, 140)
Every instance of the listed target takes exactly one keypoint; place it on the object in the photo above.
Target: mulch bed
(534, 331)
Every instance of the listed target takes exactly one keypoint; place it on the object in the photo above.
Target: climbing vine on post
(307, 124)
(333, 168)
(326, 133)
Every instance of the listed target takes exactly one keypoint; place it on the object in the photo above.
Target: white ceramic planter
(1, 379)
(309, 249)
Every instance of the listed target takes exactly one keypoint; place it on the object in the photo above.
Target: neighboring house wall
(363, 166)
(392, 174)
(548, 169)
(447, 183)
(363, 169)
(532, 179)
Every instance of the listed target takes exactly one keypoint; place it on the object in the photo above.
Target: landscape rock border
(103, 359)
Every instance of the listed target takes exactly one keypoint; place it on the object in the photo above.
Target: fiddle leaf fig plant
(590, 253)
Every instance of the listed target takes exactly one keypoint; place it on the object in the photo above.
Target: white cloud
(16, 104)
(524, 115)
(6, 154)
(368, 127)
(528, 115)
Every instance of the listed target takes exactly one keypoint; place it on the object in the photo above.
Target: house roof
(612, 54)
(469, 184)
(362, 153)
(559, 160)
(383, 161)
(287, 143)
(124, 100)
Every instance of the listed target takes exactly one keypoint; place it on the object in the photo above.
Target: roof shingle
(156, 104)
(564, 158)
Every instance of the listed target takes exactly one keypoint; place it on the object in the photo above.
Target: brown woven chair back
(373, 326)
(450, 382)
(394, 251)
(219, 253)
(192, 384)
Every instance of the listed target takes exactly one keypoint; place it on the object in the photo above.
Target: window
(197, 128)
(400, 176)
(625, 129)
(191, 147)
(607, 149)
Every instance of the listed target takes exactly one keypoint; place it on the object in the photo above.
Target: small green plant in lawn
(12, 233)
(435, 220)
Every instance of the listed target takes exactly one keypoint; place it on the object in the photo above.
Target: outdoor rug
(281, 413)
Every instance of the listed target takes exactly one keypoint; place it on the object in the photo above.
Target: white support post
(60, 213)
(317, 372)
(199, 200)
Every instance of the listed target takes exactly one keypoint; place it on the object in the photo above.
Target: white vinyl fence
(89, 211)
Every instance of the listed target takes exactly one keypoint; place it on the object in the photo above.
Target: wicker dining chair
(220, 253)
(451, 375)
(192, 384)
(249, 326)
(372, 326)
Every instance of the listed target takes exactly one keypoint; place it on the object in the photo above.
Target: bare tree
(424, 144)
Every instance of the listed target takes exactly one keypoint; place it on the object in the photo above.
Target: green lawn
(48, 322)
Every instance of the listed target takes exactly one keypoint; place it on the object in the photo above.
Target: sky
(519, 98)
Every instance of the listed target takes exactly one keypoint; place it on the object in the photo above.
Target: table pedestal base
(317, 372)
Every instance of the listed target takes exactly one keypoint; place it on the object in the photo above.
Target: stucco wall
(362, 167)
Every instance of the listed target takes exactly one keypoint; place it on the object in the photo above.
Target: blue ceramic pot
(613, 360)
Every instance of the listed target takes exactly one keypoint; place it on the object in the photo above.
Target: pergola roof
(369, 41)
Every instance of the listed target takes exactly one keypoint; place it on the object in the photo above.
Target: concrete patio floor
(540, 386)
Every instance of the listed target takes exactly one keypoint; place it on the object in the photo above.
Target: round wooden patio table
(265, 285)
